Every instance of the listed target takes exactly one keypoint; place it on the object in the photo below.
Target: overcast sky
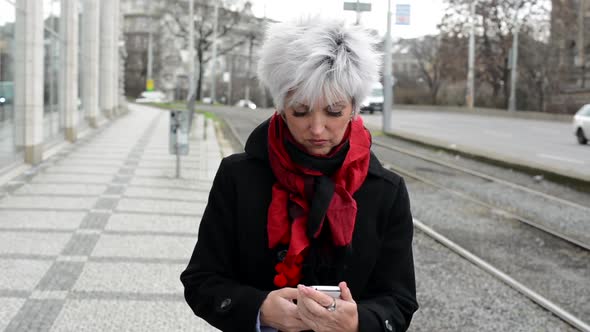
(425, 14)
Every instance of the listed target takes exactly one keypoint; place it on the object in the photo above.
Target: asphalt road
(451, 307)
(540, 144)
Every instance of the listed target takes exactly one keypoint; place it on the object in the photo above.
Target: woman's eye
(334, 111)
(300, 111)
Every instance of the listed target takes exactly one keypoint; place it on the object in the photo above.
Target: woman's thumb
(345, 293)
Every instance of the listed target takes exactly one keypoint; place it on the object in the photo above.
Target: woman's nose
(317, 123)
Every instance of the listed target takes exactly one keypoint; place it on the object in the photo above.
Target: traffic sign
(362, 6)
(402, 14)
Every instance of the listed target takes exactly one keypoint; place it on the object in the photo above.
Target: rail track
(556, 200)
(533, 295)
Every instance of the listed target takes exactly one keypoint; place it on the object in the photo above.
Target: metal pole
(387, 77)
(249, 67)
(214, 51)
(150, 56)
(177, 152)
(191, 49)
(358, 12)
(514, 69)
(470, 95)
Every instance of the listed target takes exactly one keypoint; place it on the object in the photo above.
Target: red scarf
(290, 187)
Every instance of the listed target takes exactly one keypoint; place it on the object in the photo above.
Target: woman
(307, 203)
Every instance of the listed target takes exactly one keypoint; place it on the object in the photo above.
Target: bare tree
(495, 25)
(426, 51)
(176, 21)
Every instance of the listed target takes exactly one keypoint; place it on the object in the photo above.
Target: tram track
(548, 225)
(488, 258)
(483, 262)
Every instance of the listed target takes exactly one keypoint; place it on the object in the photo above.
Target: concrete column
(116, 38)
(28, 79)
(107, 58)
(69, 67)
(90, 67)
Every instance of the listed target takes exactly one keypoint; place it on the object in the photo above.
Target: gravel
(455, 295)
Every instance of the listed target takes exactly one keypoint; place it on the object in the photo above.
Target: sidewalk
(95, 238)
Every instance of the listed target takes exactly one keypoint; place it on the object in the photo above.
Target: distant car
(246, 103)
(207, 100)
(582, 124)
(151, 97)
(374, 101)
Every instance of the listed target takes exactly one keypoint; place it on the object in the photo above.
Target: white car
(374, 101)
(246, 103)
(582, 124)
(151, 97)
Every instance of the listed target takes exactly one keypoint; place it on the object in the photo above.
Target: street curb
(490, 112)
(579, 181)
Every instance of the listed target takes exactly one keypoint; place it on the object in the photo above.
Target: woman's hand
(312, 310)
(279, 311)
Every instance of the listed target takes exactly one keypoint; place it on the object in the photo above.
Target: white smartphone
(333, 291)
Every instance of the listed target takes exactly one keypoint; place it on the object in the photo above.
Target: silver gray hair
(317, 60)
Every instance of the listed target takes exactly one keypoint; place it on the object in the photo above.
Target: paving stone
(103, 155)
(73, 161)
(146, 246)
(106, 204)
(115, 190)
(11, 187)
(21, 274)
(152, 223)
(118, 179)
(32, 243)
(35, 315)
(78, 170)
(167, 193)
(95, 220)
(128, 316)
(128, 277)
(201, 185)
(160, 206)
(109, 271)
(81, 244)
(8, 309)
(68, 179)
(61, 276)
(41, 219)
(44, 202)
(62, 189)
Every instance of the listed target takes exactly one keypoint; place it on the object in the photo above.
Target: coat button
(225, 304)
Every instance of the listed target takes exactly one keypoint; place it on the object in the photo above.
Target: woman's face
(320, 129)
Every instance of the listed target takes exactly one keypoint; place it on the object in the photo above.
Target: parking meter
(178, 136)
(179, 132)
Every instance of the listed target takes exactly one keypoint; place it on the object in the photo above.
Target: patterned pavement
(95, 238)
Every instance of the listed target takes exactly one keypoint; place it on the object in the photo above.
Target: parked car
(151, 97)
(246, 103)
(582, 124)
(374, 101)
(207, 100)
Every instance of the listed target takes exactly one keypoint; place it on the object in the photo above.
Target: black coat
(231, 270)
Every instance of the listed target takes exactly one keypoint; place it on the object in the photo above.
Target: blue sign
(402, 14)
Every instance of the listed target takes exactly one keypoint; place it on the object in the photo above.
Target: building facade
(156, 38)
(46, 95)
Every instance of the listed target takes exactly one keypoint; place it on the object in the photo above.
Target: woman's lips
(318, 142)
